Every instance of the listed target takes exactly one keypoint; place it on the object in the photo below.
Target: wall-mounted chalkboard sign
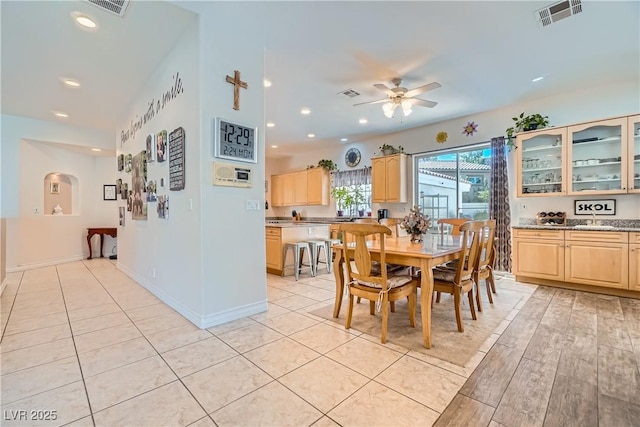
(176, 160)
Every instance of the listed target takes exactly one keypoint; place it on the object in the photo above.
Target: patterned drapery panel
(499, 204)
(352, 177)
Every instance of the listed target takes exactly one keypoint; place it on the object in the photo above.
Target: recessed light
(305, 111)
(537, 79)
(85, 21)
(363, 121)
(267, 83)
(61, 114)
(274, 146)
(343, 139)
(96, 149)
(71, 82)
(311, 135)
(270, 124)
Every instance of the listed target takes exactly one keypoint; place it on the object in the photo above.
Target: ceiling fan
(401, 96)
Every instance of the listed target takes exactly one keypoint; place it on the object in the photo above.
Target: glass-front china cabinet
(633, 154)
(595, 157)
(540, 156)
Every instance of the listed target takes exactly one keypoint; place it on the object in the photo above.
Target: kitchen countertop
(297, 224)
(569, 227)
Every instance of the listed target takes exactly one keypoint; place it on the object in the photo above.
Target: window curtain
(351, 177)
(499, 204)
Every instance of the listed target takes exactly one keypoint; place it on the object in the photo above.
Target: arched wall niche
(61, 189)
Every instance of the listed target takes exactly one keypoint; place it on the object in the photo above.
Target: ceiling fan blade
(385, 89)
(424, 103)
(422, 89)
(372, 102)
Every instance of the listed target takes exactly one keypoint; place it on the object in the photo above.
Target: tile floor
(83, 344)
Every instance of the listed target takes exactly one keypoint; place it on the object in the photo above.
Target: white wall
(28, 156)
(593, 103)
(170, 248)
(233, 246)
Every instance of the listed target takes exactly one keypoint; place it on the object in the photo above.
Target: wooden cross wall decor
(237, 84)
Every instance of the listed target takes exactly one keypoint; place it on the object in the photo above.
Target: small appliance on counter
(551, 218)
(383, 213)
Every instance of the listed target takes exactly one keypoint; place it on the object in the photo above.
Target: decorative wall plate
(352, 158)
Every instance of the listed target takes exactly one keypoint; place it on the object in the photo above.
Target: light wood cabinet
(633, 155)
(317, 186)
(388, 179)
(308, 187)
(277, 197)
(600, 158)
(288, 190)
(274, 250)
(300, 188)
(539, 253)
(634, 262)
(607, 259)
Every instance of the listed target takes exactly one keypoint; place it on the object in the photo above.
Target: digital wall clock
(352, 158)
(235, 141)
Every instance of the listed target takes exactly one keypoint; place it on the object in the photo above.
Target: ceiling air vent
(558, 11)
(117, 7)
(349, 93)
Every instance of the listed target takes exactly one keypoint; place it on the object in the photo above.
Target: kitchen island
(277, 234)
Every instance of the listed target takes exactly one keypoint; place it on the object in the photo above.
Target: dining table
(402, 251)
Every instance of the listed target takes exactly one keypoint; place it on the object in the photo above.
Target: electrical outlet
(36, 211)
(402, 209)
(153, 273)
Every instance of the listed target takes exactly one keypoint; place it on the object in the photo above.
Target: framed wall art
(109, 192)
(55, 188)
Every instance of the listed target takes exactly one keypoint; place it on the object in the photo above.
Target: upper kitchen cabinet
(633, 154)
(597, 157)
(540, 169)
(307, 187)
(388, 179)
(317, 186)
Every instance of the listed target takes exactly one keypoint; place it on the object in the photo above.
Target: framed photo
(55, 187)
(108, 192)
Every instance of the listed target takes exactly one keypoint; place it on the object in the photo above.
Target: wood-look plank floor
(567, 359)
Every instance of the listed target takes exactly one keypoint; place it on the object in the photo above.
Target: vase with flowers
(416, 224)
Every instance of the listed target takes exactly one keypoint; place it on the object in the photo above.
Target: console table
(113, 232)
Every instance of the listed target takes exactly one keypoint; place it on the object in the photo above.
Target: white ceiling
(484, 54)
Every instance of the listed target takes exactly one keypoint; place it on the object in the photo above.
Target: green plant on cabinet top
(525, 123)
(387, 149)
(327, 164)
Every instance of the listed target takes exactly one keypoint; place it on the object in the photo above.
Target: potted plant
(327, 164)
(388, 149)
(340, 194)
(358, 200)
(525, 123)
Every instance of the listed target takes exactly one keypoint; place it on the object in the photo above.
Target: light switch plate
(253, 205)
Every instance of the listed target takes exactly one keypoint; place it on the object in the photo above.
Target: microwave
(229, 175)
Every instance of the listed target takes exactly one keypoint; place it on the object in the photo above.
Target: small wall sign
(598, 207)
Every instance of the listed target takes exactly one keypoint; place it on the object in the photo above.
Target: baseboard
(49, 263)
(200, 321)
(579, 287)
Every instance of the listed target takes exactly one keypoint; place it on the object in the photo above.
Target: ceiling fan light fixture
(406, 107)
(388, 108)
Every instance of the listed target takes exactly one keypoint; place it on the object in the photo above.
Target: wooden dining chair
(483, 269)
(458, 280)
(394, 225)
(379, 288)
(455, 224)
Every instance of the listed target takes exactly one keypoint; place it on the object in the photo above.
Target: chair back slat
(455, 224)
(470, 231)
(486, 255)
(361, 233)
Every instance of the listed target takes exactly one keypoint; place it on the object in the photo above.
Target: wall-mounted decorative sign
(237, 84)
(176, 159)
(109, 192)
(598, 207)
(235, 141)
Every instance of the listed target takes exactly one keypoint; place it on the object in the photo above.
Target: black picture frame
(598, 207)
(109, 192)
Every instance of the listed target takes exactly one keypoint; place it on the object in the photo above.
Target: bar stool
(317, 247)
(298, 249)
(329, 243)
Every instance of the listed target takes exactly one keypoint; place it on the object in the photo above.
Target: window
(454, 183)
(352, 191)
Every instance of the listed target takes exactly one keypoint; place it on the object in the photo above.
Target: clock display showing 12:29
(235, 141)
